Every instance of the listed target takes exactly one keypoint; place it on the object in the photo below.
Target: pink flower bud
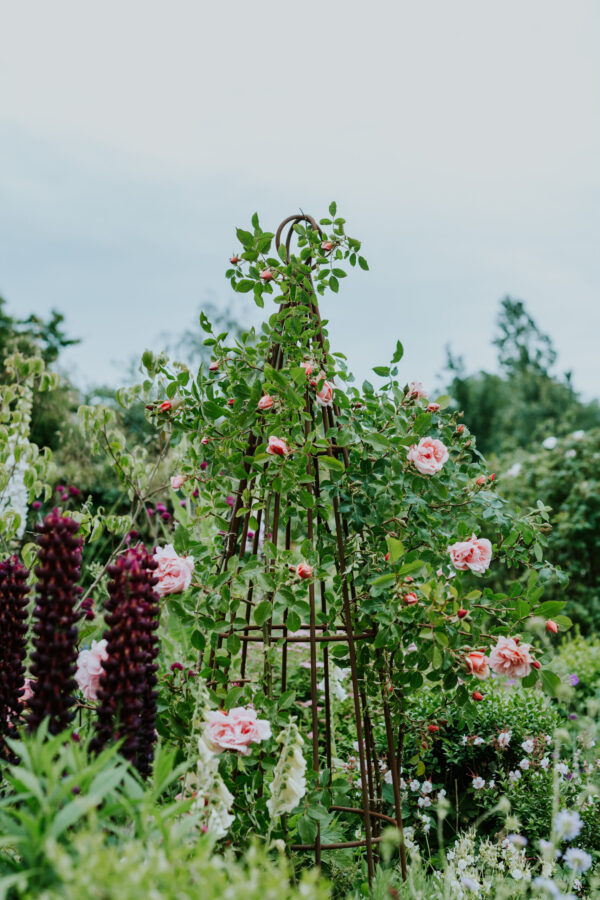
(177, 481)
(551, 626)
(231, 401)
(480, 481)
(411, 598)
(477, 696)
(327, 245)
(303, 570)
(460, 429)
(213, 366)
(205, 441)
(433, 407)
(166, 406)
(266, 275)
(265, 402)
(277, 446)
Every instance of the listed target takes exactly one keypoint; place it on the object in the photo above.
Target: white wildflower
(289, 782)
(478, 783)
(478, 741)
(427, 787)
(528, 745)
(577, 859)
(415, 785)
(567, 825)
(504, 739)
(549, 443)
(562, 769)
(524, 764)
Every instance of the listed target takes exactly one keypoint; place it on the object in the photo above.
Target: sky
(460, 140)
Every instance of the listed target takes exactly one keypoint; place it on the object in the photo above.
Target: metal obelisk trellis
(277, 521)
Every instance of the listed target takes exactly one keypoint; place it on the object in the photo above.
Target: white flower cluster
(472, 865)
(289, 778)
(213, 800)
(336, 678)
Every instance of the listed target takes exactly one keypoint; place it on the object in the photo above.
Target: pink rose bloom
(417, 390)
(89, 669)
(174, 572)
(177, 481)
(474, 554)
(308, 366)
(477, 664)
(509, 657)
(433, 407)
(428, 456)
(325, 395)
(303, 570)
(235, 730)
(277, 446)
(411, 598)
(265, 402)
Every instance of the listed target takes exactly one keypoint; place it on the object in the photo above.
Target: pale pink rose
(174, 572)
(213, 367)
(235, 730)
(417, 390)
(89, 669)
(325, 395)
(308, 366)
(177, 481)
(277, 446)
(303, 570)
(477, 664)
(474, 554)
(428, 456)
(433, 407)
(265, 402)
(509, 657)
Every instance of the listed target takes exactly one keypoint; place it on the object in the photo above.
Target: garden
(268, 633)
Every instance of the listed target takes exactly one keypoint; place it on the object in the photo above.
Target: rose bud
(477, 695)
(535, 664)
(205, 440)
(433, 729)
(166, 406)
(387, 557)
(460, 429)
(265, 402)
(481, 480)
(277, 446)
(358, 405)
(492, 476)
(551, 626)
(462, 613)
(234, 260)
(231, 401)
(409, 579)
(433, 407)
(327, 245)
(410, 599)
(303, 570)
(266, 275)
(177, 481)
(213, 366)
(308, 367)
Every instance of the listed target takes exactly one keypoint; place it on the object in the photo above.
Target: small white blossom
(528, 746)
(478, 783)
(514, 776)
(424, 802)
(545, 762)
(504, 739)
(562, 768)
(577, 860)
(289, 779)
(427, 787)
(567, 825)
(514, 470)
(524, 764)
(478, 741)
(464, 739)
(549, 443)
(578, 435)
(415, 785)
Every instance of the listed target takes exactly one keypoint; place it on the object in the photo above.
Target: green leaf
(263, 612)
(331, 462)
(244, 286)
(549, 609)
(244, 237)
(377, 441)
(293, 620)
(398, 352)
(332, 209)
(381, 580)
(334, 284)
(381, 370)
(550, 682)
(395, 548)
(363, 263)
(563, 621)
(307, 829)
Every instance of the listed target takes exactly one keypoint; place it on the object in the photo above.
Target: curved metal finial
(294, 220)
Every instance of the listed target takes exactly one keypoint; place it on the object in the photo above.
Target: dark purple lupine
(54, 657)
(127, 690)
(13, 628)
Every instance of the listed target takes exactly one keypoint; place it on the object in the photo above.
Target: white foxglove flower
(336, 677)
(289, 777)
(213, 798)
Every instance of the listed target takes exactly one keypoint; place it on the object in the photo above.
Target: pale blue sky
(461, 141)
